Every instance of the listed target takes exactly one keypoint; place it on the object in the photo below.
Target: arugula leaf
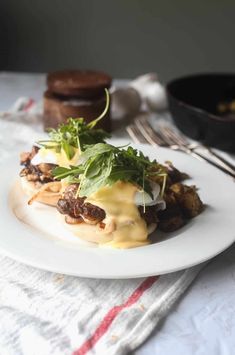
(94, 168)
(68, 149)
(96, 174)
(89, 186)
(60, 173)
(95, 150)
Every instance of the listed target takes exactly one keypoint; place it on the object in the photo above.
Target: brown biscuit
(78, 83)
(58, 109)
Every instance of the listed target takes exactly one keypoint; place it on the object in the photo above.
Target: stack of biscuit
(76, 93)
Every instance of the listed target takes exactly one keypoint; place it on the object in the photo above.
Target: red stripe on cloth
(29, 104)
(112, 314)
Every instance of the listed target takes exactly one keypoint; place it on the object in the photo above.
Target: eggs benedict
(63, 149)
(113, 196)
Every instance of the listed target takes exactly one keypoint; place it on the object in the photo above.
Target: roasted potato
(171, 224)
(182, 203)
(171, 218)
(188, 199)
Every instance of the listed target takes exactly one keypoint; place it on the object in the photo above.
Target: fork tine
(135, 134)
(165, 136)
(150, 135)
(176, 137)
(147, 132)
(140, 134)
(181, 140)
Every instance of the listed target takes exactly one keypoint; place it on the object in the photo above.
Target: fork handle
(222, 161)
(203, 157)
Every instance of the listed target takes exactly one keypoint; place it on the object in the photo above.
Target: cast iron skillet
(194, 102)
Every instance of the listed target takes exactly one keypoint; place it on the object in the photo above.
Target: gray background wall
(125, 37)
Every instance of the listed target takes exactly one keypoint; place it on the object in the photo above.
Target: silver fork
(142, 132)
(179, 139)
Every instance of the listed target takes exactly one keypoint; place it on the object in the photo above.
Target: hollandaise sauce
(123, 223)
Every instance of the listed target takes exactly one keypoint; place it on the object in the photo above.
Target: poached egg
(50, 156)
(143, 198)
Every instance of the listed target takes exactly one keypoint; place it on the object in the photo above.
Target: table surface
(203, 320)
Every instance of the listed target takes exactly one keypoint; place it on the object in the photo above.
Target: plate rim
(36, 263)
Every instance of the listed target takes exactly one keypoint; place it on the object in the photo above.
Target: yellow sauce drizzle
(124, 226)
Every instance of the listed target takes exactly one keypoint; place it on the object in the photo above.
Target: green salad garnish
(76, 133)
(103, 164)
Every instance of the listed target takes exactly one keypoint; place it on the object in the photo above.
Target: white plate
(35, 234)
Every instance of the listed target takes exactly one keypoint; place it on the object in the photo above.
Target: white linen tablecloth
(194, 327)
